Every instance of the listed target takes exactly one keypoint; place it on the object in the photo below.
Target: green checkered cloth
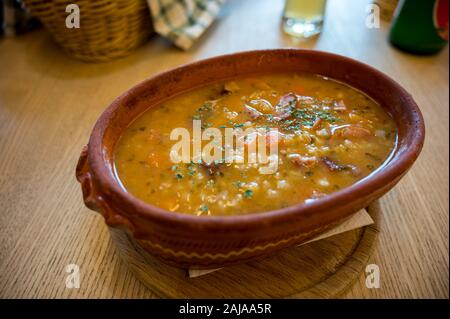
(183, 21)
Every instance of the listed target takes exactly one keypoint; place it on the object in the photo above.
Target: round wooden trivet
(321, 269)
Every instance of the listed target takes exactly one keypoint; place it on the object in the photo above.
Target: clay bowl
(186, 240)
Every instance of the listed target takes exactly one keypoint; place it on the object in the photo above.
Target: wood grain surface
(49, 104)
(321, 269)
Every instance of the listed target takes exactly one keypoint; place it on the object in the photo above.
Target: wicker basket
(109, 29)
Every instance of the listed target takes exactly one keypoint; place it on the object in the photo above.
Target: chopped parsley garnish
(326, 116)
(204, 208)
(248, 193)
(191, 173)
(178, 176)
(205, 107)
(306, 116)
(203, 111)
(308, 123)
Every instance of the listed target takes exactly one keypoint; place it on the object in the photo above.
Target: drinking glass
(303, 18)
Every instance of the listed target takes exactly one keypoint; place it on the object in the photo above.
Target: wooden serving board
(320, 269)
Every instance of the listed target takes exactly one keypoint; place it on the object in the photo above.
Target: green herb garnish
(203, 111)
(248, 193)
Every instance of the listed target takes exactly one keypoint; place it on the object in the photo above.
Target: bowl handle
(93, 198)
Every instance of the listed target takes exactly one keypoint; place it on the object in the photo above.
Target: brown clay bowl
(186, 240)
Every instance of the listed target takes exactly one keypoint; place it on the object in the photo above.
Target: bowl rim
(392, 169)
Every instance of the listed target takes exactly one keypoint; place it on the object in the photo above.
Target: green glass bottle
(420, 26)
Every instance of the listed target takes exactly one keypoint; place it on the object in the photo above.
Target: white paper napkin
(358, 220)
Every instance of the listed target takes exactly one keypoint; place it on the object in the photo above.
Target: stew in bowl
(238, 156)
(328, 136)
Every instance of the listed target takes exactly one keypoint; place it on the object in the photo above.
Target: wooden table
(49, 103)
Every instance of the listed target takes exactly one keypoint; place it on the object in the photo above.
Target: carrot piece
(317, 123)
(355, 131)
